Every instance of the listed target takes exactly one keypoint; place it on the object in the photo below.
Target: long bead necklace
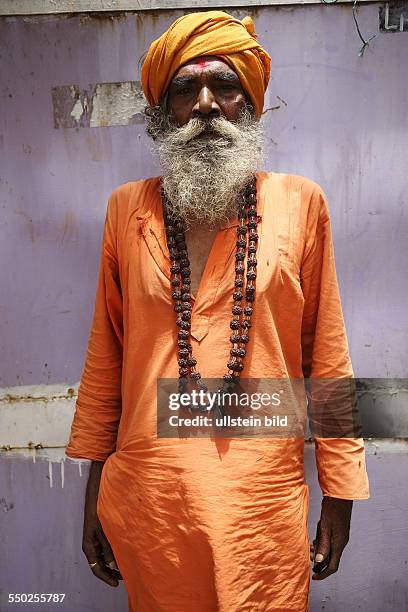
(240, 324)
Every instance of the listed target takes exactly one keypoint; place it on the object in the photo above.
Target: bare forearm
(94, 543)
(94, 479)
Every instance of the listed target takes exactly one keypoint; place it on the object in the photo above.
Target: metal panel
(46, 7)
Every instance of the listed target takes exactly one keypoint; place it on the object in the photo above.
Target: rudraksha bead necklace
(245, 266)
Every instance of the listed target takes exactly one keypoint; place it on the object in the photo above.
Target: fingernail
(319, 558)
(112, 565)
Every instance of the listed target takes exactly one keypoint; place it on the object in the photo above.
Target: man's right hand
(95, 545)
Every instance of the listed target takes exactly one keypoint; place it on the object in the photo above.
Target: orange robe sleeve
(325, 354)
(98, 407)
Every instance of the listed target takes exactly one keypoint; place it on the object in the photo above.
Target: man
(206, 524)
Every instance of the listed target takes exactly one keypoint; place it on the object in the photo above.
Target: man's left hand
(331, 537)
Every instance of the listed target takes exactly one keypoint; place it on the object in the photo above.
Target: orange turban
(208, 33)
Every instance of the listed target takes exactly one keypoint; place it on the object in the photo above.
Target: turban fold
(208, 33)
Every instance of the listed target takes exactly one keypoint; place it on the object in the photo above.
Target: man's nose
(206, 105)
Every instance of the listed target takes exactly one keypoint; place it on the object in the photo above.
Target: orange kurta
(200, 525)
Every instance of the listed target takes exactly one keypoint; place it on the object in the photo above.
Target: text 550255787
(36, 597)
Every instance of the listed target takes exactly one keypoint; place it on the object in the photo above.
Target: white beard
(203, 177)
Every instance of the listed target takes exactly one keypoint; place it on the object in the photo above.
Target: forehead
(206, 64)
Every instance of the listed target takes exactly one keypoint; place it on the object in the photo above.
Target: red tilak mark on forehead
(202, 62)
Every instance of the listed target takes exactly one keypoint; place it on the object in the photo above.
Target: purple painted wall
(342, 122)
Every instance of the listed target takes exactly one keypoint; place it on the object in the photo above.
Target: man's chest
(199, 245)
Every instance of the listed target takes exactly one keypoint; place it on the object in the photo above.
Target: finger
(311, 552)
(332, 568)
(108, 555)
(322, 546)
(103, 573)
(93, 552)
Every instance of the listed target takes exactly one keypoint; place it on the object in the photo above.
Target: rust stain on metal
(35, 446)
(105, 18)
(30, 223)
(69, 227)
(8, 398)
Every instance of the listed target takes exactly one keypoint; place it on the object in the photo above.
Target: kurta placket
(215, 270)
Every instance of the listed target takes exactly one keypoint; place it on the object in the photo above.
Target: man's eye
(183, 91)
(228, 87)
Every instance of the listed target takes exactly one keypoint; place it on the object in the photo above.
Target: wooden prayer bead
(201, 385)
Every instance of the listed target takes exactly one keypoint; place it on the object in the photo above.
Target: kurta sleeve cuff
(341, 467)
